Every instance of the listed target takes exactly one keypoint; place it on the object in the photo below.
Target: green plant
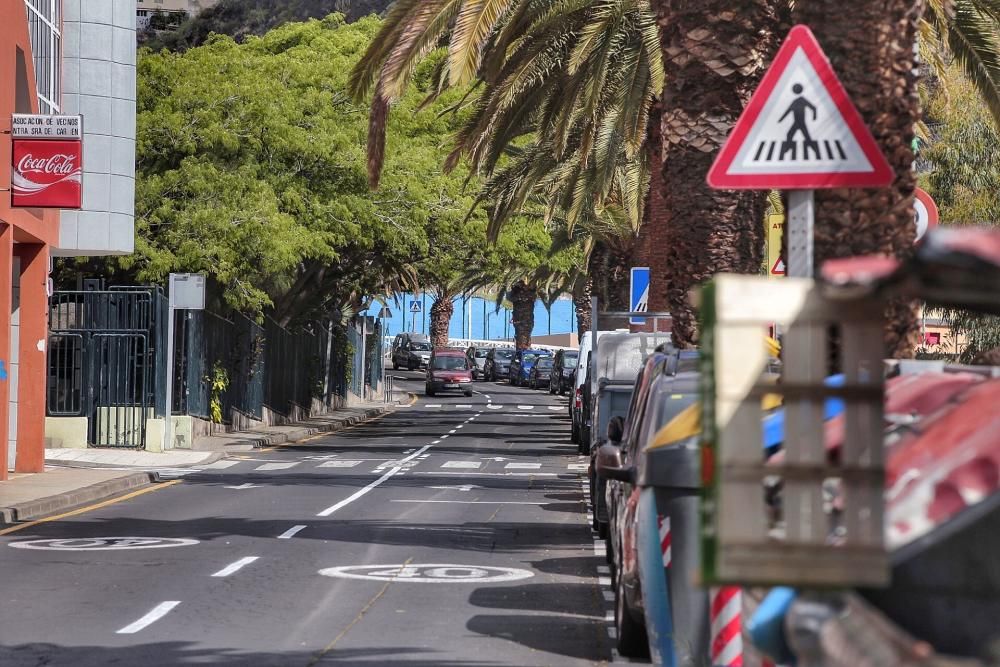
(218, 383)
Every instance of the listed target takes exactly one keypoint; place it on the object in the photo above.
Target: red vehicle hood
(452, 375)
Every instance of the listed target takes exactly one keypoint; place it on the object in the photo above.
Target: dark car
(448, 370)
(562, 371)
(410, 350)
(521, 365)
(497, 363)
(667, 384)
(541, 373)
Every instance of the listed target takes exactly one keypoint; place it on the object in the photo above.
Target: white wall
(99, 53)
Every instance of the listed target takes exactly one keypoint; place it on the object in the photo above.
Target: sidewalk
(82, 476)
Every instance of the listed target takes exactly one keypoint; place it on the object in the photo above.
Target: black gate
(105, 361)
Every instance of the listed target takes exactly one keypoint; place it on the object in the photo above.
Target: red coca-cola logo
(46, 173)
(61, 164)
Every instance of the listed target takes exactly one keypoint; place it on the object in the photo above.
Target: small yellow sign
(775, 230)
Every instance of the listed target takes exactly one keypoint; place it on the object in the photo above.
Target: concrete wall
(99, 54)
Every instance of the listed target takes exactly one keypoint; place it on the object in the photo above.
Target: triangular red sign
(779, 267)
(800, 130)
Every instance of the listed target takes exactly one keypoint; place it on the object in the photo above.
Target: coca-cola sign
(46, 173)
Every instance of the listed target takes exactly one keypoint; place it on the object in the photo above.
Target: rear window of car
(421, 347)
(545, 362)
(481, 353)
(506, 355)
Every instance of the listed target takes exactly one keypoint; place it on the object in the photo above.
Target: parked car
(497, 363)
(576, 399)
(562, 371)
(521, 365)
(410, 350)
(448, 370)
(667, 384)
(477, 360)
(541, 373)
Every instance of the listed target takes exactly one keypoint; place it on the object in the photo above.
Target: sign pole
(801, 219)
(168, 430)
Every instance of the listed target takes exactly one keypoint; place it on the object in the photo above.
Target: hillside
(240, 18)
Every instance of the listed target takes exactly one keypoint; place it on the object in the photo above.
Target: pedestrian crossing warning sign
(779, 267)
(800, 130)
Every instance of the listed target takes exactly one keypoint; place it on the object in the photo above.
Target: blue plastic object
(767, 625)
(774, 424)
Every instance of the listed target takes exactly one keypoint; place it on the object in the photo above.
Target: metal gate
(105, 362)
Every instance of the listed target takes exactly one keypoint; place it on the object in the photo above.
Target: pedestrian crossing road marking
(461, 464)
(522, 466)
(339, 464)
(277, 466)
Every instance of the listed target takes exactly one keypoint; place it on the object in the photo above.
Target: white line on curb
(232, 567)
(350, 499)
(290, 533)
(158, 612)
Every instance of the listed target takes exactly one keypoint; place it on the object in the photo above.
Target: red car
(449, 370)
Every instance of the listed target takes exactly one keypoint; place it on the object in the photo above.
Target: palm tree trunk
(441, 313)
(654, 227)
(714, 55)
(871, 47)
(522, 298)
(582, 291)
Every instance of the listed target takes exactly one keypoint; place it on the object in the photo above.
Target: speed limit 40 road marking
(434, 573)
(104, 543)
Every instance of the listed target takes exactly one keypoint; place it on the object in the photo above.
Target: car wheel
(632, 642)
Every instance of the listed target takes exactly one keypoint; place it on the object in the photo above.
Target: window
(46, 52)
(449, 364)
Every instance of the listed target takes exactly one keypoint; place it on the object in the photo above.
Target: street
(450, 532)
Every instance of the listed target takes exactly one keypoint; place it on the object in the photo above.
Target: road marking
(104, 543)
(218, 465)
(555, 407)
(436, 442)
(463, 406)
(347, 501)
(89, 508)
(246, 485)
(233, 567)
(434, 573)
(473, 502)
(277, 466)
(522, 466)
(461, 464)
(290, 533)
(603, 569)
(460, 426)
(490, 474)
(493, 406)
(604, 581)
(433, 405)
(444, 436)
(464, 487)
(599, 548)
(158, 612)
(339, 464)
(452, 431)
(578, 466)
(526, 407)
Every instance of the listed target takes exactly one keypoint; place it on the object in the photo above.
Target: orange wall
(30, 225)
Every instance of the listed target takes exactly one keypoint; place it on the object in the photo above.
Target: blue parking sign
(639, 293)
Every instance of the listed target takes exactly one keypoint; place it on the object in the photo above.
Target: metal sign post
(186, 292)
(801, 217)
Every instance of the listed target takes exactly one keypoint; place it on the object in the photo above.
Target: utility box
(813, 515)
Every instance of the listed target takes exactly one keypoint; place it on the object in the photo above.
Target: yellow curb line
(89, 508)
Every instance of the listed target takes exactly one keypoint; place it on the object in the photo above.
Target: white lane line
(233, 567)
(461, 464)
(599, 548)
(290, 533)
(474, 502)
(433, 405)
(604, 581)
(463, 406)
(436, 442)
(277, 466)
(452, 431)
(555, 407)
(460, 426)
(158, 612)
(578, 466)
(609, 596)
(218, 465)
(347, 501)
(526, 407)
(444, 436)
(603, 569)
(490, 474)
(609, 616)
(522, 466)
(493, 406)
(339, 464)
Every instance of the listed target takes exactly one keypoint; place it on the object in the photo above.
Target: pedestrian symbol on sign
(414, 306)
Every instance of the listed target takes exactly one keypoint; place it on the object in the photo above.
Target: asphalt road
(450, 532)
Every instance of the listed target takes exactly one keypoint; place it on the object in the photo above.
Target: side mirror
(616, 429)
(609, 464)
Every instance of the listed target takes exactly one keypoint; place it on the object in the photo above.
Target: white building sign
(41, 126)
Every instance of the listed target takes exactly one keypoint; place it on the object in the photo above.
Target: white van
(576, 407)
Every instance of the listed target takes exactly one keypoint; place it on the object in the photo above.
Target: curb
(69, 463)
(35, 509)
(308, 431)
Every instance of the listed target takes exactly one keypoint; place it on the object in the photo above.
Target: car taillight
(578, 398)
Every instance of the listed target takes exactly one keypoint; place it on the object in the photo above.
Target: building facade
(146, 9)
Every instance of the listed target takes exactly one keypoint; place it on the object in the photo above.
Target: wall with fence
(107, 365)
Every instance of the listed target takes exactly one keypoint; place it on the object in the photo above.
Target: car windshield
(449, 364)
(481, 354)
(570, 362)
(544, 363)
(420, 347)
(503, 354)
(530, 356)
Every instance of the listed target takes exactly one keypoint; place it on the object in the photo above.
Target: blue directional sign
(415, 306)
(639, 293)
